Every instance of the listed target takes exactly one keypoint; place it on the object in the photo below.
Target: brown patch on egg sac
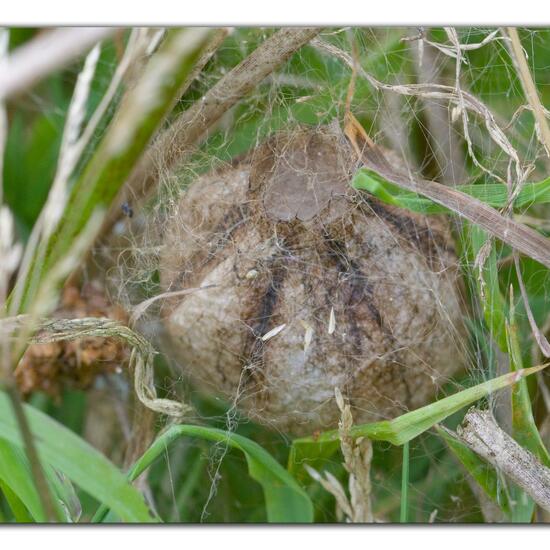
(315, 285)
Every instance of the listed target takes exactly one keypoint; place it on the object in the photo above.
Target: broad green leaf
(79, 461)
(484, 474)
(286, 501)
(412, 424)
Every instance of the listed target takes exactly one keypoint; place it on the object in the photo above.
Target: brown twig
(482, 434)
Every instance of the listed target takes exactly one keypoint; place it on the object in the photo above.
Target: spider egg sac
(313, 286)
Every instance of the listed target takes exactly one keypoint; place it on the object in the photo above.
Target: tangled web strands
(140, 260)
(454, 95)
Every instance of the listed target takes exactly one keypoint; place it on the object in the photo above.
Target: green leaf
(31, 151)
(69, 503)
(412, 424)
(286, 501)
(16, 474)
(312, 452)
(20, 512)
(79, 461)
(404, 508)
(490, 296)
(524, 428)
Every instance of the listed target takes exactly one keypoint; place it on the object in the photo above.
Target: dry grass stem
(141, 359)
(463, 100)
(142, 307)
(172, 146)
(69, 153)
(519, 236)
(538, 335)
(531, 93)
(44, 54)
(4, 43)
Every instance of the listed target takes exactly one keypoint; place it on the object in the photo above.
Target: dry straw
(141, 358)
(357, 454)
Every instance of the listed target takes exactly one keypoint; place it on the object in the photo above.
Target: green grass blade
(79, 461)
(524, 428)
(312, 452)
(404, 509)
(19, 510)
(15, 472)
(141, 112)
(490, 297)
(493, 194)
(484, 474)
(286, 501)
(412, 424)
(68, 501)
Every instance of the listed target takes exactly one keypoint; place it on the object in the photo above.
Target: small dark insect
(127, 210)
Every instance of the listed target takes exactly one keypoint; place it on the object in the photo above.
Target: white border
(343, 537)
(273, 12)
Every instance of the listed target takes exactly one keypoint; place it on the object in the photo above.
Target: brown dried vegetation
(53, 366)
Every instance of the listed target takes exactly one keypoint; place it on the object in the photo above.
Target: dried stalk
(141, 112)
(444, 142)
(176, 142)
(10, 254)
(519, 236)
(357, 453)
(482, 434)
(43, 55)
(141, 358)
(529, 88)
(461, 99)
(4, 42)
